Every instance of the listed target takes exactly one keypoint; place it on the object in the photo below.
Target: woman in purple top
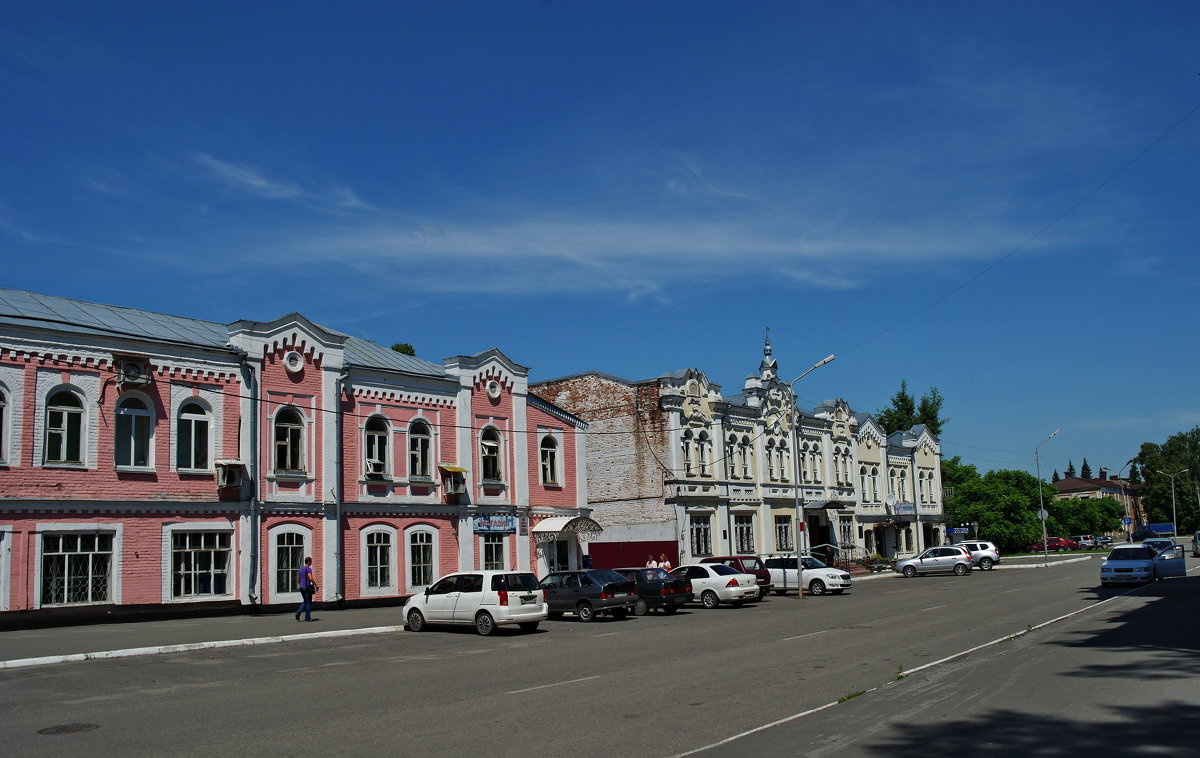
(307, 588)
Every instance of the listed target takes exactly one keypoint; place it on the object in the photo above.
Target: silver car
(937, 560)
(984, 555)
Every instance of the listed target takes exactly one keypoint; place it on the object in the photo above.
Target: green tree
(1070, 470)
(1085, 471)
(1180, 451)
(905, 412)
(1004, 503)
(405, 348)
(1135, 476)
(1055, 477)
(1085, 515)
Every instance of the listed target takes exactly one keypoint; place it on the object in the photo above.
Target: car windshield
(721, 569)
(813, 563)
(1131, 554)
(752, 564)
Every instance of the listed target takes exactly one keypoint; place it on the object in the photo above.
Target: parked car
(1160, 543)
(1196, 545)
(945, 559)
(587, 592)
(984, 555)
(657, 589)
(1128, 564)
(485, 599)
(815, 576)
(1058, 544)
(1103, 540)
(716, 583)
(1084, 541)
(747, 564)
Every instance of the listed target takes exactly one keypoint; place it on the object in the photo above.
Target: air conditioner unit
(455, 487)
(229, 475)
(375, 468)
(133, 372)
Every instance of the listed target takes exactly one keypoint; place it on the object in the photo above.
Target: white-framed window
(193, 438)
(747, 457)
(494, 551)
(289, 545)
(875, 491)
(77, 567)
(785, 462)
(64, 428)
(783, 533)
(379, 552)
(489, 454)
(201, 563)
(422, 556)
(700, 534)
(419, 463)
(289, 441)
(686, 449)
(815, 453)
(549, 456)
(743, 532)
(376, 460)
(771, 460)
(134, 435)
(703, 454)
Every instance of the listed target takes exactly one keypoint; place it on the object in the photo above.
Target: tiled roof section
(367, 354)
(1079, 484)
(21, 308)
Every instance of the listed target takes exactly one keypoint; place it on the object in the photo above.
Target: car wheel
(669, 609)
(709, 599)
(529, 626)
(416, 622)
(961, 569)
(910, 571)
(985, 564)
(640, 608)
(485, 624)
(620, 613)
(816, 587)
(585, 612)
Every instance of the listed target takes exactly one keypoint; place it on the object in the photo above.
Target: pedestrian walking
(308, 588)
(650, 562)
(664, 562)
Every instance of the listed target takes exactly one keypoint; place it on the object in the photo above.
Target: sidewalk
(31, 647)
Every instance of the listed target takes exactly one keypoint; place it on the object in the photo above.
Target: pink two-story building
(152, 462)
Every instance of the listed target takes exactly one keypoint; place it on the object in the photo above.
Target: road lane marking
(799, 636)
(933, 608)
(556, 684)
(1018, 589)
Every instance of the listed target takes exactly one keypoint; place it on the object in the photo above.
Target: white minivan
(485, 599)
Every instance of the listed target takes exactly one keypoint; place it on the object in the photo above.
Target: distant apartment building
(674, 466)
(1127, 493)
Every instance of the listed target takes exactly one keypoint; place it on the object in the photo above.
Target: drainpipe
(252, 475)
(339, 491)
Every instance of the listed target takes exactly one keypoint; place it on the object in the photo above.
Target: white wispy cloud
(252, 181)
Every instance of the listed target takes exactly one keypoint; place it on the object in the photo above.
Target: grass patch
(851, 696)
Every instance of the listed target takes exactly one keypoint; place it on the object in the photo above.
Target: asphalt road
(663, 686)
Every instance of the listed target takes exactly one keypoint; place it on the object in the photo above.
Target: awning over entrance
(453, 468)
(565, 527)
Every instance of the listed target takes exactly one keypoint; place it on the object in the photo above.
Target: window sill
(65, 465)
(493, 483)
(196, 471)
(290, 476)
(135, 469)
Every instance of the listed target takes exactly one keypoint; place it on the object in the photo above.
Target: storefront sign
(904, 509)
(495, 524)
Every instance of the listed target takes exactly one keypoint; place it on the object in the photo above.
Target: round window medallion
(293, 361)
(493, 389)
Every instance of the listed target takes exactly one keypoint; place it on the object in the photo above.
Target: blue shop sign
(495, 524)
(904, 509)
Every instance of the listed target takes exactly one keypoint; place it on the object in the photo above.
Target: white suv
(984, 555)
(485, 599)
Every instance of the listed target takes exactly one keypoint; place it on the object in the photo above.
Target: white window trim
(306, 434)
(436, 557)
(393, 553)
(501, 455)
(272, 563)
(153, 424)
(210, 417)
(6, 404)
(559, 474)
(85, 428)
(388, 435)
(6, 538)
(168, 563)
(431, 455)
(504, 542)
(115, 529)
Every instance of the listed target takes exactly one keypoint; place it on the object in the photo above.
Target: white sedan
(716, 583)
(815, 577)
(1136, 564)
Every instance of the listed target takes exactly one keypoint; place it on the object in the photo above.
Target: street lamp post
(1174, 526)
(796, 458)
(1041, 502)
(1121, 484)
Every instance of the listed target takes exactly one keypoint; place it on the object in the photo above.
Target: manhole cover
(68, 728)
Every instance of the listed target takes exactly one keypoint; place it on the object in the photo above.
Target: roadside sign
(958, 530)
(1128, 521)
(1043, 514)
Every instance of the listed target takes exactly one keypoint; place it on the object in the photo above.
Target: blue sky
(998, 200)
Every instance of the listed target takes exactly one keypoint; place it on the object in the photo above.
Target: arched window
(862, 478)
(703, 446)
(376, 460)
(64, 428)
(730, 461)
(687, 452)
(419, 464)
(549, 458)
(771, 460)
(134, 422)
(378, 560)
(816, 463)
(290, 544)
(746, 456)
(785, 462)
(875, 484)
(192, 438)
(489, 451)
(422, 556)
(289, 441)
(3, 426)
